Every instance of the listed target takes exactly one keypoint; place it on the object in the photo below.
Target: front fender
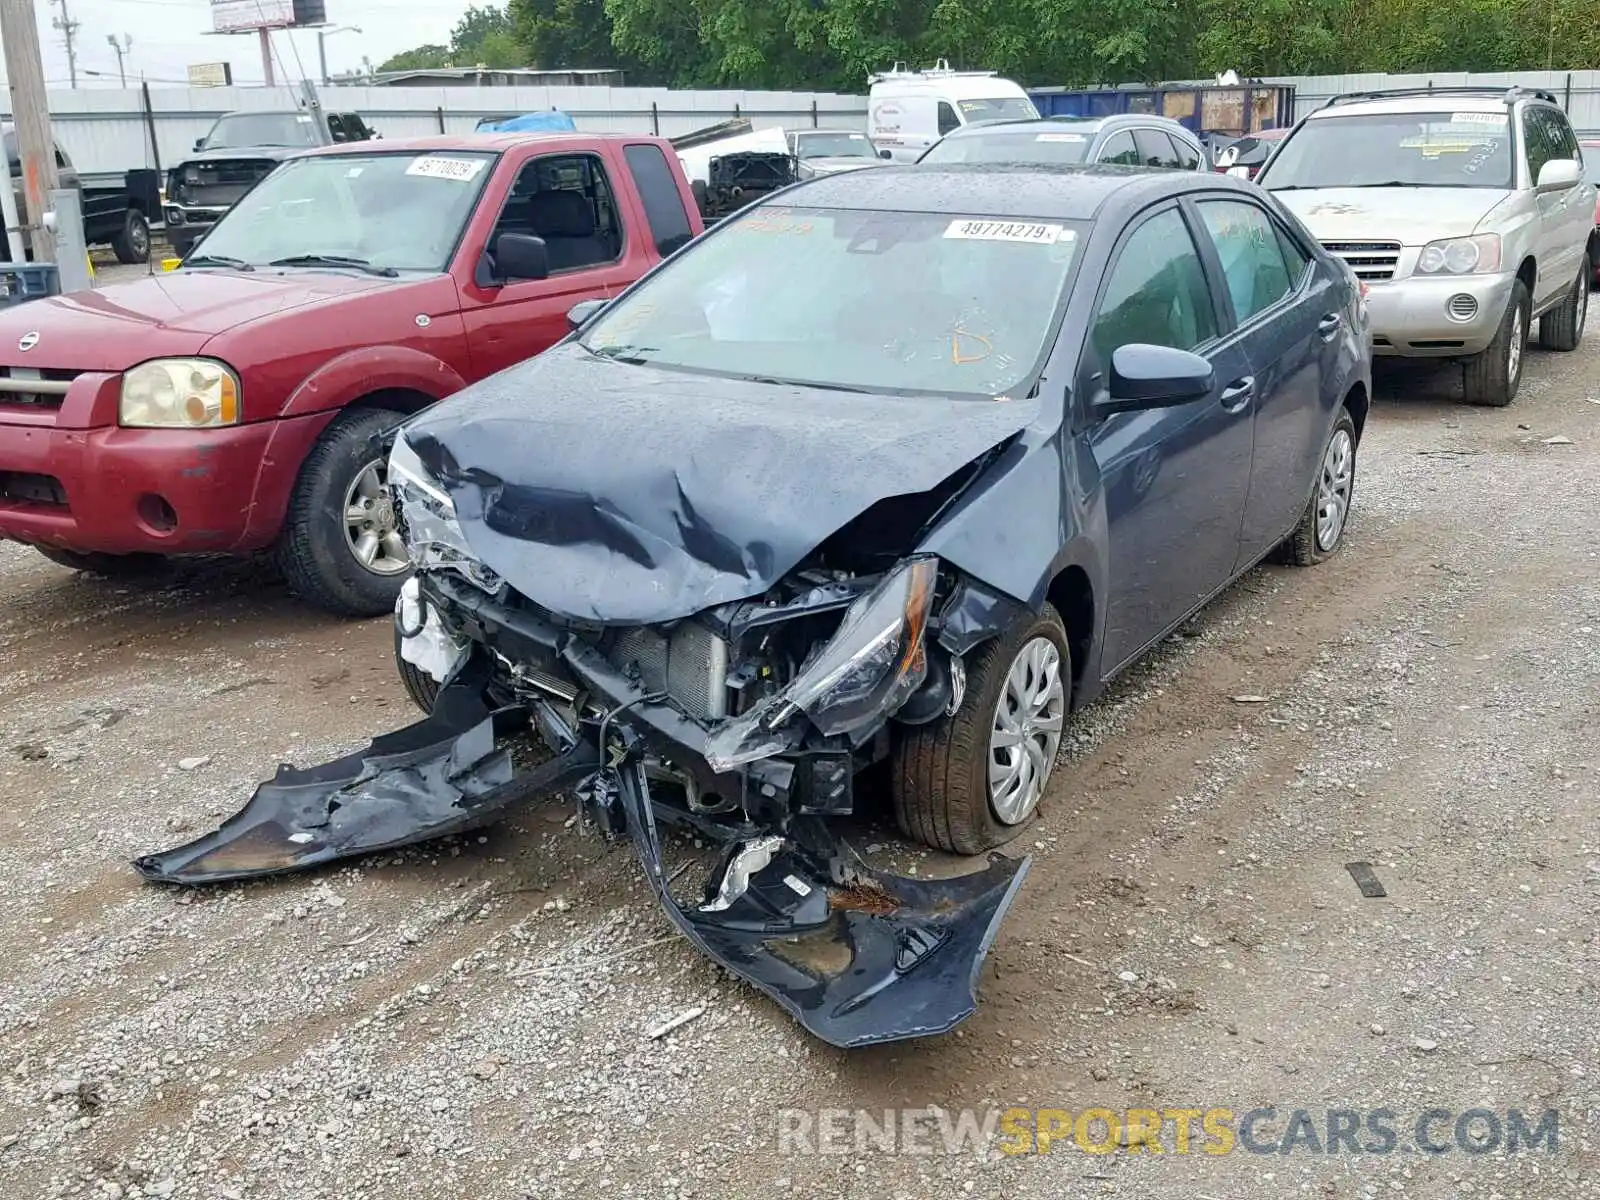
(346, 378)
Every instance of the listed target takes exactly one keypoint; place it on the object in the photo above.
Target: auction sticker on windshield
(1008, 231)
(1061, 137)
(463, 170)
(1498, 120)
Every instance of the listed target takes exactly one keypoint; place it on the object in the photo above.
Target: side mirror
(582, 312)
(1144, 376)
(1558, 175)
(199, 143)
(521, 256)
(889, 154)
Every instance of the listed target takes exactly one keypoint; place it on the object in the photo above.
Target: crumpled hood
(1410, 216)
(177, 312)
(628, 495)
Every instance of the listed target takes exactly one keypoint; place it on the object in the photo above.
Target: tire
(420, 686)
(1562, 328)
(113, 566)
(1309, 544)
(940, 786)
(132, 243)
(316, 549)
(1491, 379)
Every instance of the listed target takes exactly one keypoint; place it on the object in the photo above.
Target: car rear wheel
(113, 566)
(341, 547)
(972, 781)
(1562, 328)
(1492, 378)
(1321, 530)
(132, 243)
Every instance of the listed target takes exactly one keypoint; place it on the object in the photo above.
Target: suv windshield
(875, 301)
(1010, 146)
(403, 212)
(239, 130)
(1430, 149)
(832, 145)
(1002, 108)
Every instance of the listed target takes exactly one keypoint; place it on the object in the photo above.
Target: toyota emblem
(28, 341)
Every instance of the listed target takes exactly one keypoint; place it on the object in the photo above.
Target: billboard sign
(242, 16)
(211, 74)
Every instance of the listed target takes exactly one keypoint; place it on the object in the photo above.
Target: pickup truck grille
(223, 182)
(690, 665)
(21, 387)
(1373, 262)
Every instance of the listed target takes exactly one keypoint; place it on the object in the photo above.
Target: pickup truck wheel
(970, 782)
(1492, 378)
(1321, 530)
(132, 243)
(420, 686)
(1562, 328)
(113, 566)
(341, 547)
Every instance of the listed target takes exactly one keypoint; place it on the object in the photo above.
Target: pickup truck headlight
(860, 676)
(179, 393)
(1477, 255)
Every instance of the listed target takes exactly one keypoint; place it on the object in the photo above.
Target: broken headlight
(866, 671)
(433, 534)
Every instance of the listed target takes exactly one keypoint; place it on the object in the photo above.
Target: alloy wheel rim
(371, 524)
(1514, 352)
(1026, 734)
(1333, 490)
(1583, 306)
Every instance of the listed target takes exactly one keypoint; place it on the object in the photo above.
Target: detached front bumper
(1444, 317)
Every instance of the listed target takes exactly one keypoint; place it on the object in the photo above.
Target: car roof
(1084, 125)
(1011, 190)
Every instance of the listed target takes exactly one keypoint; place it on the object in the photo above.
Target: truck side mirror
(521, 256)
(199, 143)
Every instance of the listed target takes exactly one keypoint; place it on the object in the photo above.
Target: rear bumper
(124, 491)
(1421, 317)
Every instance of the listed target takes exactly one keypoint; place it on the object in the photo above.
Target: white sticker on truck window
(1008, 231)
(463, 170)
(1498, 120)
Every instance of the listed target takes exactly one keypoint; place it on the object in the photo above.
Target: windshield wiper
(217, 260)
(625, 354)
(334, 260)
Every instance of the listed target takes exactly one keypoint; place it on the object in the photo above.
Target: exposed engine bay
(744, 177)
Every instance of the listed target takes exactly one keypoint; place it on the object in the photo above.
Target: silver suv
(1464, 210)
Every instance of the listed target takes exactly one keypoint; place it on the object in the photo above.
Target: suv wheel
(970, 782)
(341, 547)
(132, 243)
(1562, 328)
(1492, 378)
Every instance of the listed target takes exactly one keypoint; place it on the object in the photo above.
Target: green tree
(419, 59)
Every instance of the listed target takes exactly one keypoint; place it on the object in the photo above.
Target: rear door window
(663, 203)
(1252, 256)
(1188, 156)
(1155, 148)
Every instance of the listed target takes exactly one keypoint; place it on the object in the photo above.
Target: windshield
(1439, 149)
(832, 145)
(395, 211)
(1011, 146)
(1001, 108)
(876, 301)
(261, 129)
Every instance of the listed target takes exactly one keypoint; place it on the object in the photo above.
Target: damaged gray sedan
(892, 471)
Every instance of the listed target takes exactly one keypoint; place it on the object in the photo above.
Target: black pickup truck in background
(241, 148)
(114, 214)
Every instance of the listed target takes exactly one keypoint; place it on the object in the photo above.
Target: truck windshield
(832, 145)
(998, 108)
(1433, 149)
(236, 131)
(868, 301)
(1031, 145)
(403, 212)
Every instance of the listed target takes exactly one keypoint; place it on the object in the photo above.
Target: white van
(908, 111)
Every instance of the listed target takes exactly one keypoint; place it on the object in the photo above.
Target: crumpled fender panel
(441, 776)
(883, 959)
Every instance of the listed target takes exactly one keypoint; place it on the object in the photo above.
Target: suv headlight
(1477, 255)
(179, 393)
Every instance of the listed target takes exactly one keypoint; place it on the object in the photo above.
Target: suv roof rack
(939, 70)
(1510, 95)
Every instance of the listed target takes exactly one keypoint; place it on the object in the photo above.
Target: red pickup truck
(230, 406)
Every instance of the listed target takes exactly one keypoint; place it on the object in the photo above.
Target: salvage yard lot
(472, 1019)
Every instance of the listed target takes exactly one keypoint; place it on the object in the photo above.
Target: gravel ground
(473, 1018)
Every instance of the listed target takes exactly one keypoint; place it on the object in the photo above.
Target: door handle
(1239, 393)
(1328, 328)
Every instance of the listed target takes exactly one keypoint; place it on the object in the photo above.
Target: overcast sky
(168, 35)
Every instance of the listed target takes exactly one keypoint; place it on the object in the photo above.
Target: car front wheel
(341, 547)
(1492, 378)
(969, 782)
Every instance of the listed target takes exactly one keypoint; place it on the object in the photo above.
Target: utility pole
(30, 109)
(266, 56)
(122, 49)
(69, 34)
